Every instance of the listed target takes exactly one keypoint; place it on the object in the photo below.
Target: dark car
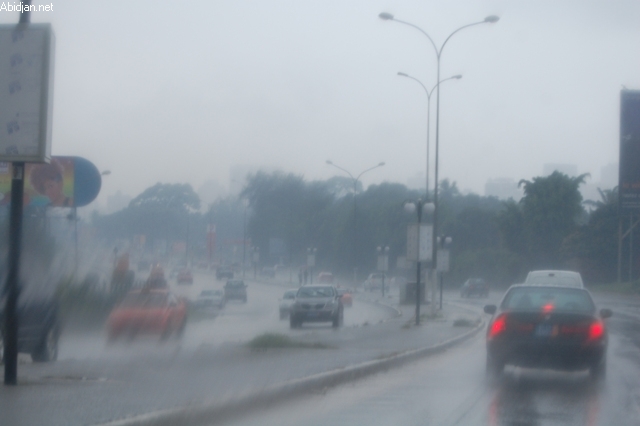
(475, 287)
(547, 327)
(235, 289)
(38, 329)
(317, 303)
(224, 272)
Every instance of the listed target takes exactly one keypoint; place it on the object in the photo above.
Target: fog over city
(204, 91)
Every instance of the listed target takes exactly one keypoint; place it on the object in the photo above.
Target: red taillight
(596, 330)
(498, 326)
(546, 309)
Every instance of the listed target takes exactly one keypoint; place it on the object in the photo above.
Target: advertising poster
(629, 184)
(46, 185)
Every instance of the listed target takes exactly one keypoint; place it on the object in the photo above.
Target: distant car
(287, 300)
(374, 281)
(184, 277)
(210, 299)
(268, 271)
(547, 327)
(224, 272)
(345, 296)
(148, 312)
(561, 278)
(235, 289)
(38, 329)
(317, 303)
(475, 287)
(325, 278)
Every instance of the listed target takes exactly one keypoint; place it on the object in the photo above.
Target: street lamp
(245, 204)
(355, 212)
(311, 261)
(420, 252)
(488, 20)
(429, 93)
(383, 263)
(443, 260)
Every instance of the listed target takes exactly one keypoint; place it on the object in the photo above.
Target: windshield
(249, 157)
(549, 299)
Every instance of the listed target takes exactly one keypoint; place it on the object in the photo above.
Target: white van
(559, 278)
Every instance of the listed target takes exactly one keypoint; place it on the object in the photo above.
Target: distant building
(503, 188)
(117, 202)
(570, 170)
(609, 176)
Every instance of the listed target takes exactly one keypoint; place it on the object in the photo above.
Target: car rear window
(548, 298)
(551, 279)
(315, 292)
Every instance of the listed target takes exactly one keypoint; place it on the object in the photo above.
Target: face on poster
(45, 184)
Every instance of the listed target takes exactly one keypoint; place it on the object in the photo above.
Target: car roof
(565, 278)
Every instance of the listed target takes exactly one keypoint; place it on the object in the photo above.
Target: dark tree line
(286, 214)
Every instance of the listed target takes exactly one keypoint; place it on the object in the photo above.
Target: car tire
(494, 367)
(337, 320)
(598, 371)
(47, 350)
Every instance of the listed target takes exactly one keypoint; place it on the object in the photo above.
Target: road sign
(26, 92)
(419, 244)
(443, 260)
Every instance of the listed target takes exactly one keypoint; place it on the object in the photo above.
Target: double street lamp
(438, 50)
(355, 212)
(429, 93)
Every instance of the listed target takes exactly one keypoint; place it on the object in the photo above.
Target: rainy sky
(186, 91)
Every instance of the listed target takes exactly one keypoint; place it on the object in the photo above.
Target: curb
(211, 413)
(396, 312)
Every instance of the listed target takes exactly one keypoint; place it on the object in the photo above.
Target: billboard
(629, 178)
(64, 182)
(26, 92)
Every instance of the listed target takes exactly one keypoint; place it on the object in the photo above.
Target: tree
(551, 208)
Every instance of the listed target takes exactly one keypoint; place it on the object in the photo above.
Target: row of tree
(284, 215)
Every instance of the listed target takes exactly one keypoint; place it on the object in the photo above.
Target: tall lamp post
(429, 93)
(355, 212)
(488, 20)
(421, 250)
(383, 263)
(443, 260)
(311, 261)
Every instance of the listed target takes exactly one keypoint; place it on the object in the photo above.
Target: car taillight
(498, 326)
(596, 331)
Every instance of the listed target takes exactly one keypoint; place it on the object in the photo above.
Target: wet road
(237, 322)
(451, 389)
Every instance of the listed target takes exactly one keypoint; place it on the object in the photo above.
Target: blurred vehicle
(156, 279)
(210, 299)
(38, 329)
(154, 311)
(224, 272)
(316, 303)
(285, 303)
(475, 286)
(561, 278)
(268, 271)
(235, 289)
(184, 277)
(345, 296)
(374, 281)
(547, 327)
(325, 278)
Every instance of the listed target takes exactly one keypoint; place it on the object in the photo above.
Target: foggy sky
(183, 91)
